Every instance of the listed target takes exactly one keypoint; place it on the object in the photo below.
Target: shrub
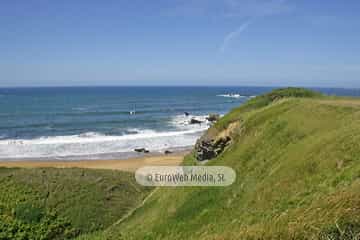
(27, 213)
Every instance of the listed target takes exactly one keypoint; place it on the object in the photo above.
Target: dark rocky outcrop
(213, 117)
(168, 152)
(195, 121)
(141, 150)
(208, 149)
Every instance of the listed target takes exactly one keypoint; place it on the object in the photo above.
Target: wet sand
(130, 164)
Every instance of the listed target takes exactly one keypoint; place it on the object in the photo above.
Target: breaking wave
(93, 143)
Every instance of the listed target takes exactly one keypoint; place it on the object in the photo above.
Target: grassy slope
(298, 176)
(90, 199)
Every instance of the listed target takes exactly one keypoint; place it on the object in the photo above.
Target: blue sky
(180, 42)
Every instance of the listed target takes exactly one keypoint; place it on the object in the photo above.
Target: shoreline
(130, 164)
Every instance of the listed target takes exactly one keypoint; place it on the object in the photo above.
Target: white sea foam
(92, 144)
(182, 122)
(90, 135)
(140, 131)
(95, 144)
(231, 95)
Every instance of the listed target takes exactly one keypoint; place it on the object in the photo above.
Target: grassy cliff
(297, 158)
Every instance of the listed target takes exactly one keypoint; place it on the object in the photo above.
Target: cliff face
(209, 149)
(216, 139)
(296, 155)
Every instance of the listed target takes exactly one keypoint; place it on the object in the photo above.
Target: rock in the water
(195, 121)
(186, 114)
(213, 117)
(208, 149)
(168, 152)
(141, 150)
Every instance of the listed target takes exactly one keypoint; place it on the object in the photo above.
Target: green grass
(297, 159)
(263, 101)
(63, 203)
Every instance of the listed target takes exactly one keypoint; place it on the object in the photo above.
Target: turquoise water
(96, 122)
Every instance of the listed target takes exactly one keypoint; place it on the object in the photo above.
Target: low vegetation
(63, 203)
(297, 158)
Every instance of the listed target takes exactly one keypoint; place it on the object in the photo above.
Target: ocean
(72, 123)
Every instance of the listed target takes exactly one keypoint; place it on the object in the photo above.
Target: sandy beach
(124, 164)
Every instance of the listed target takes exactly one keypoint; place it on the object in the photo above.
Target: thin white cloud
(252, 9)
(235, 9)
(234, 34)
